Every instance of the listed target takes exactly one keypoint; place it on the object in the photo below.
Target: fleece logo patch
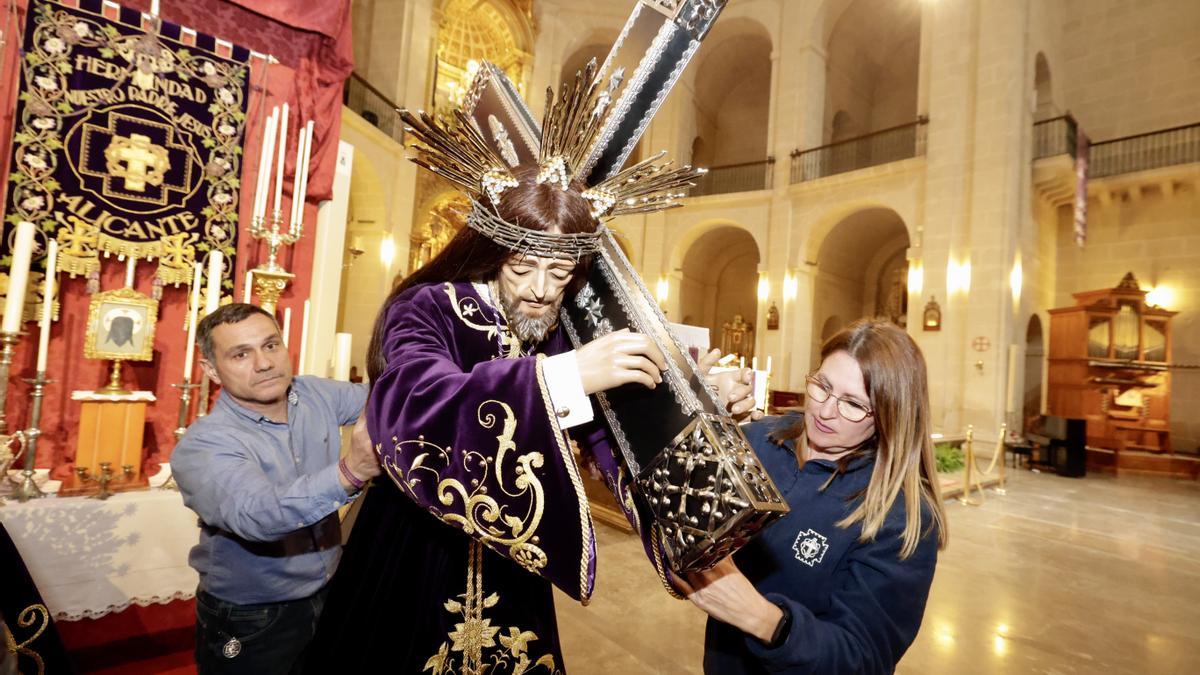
(810, 547)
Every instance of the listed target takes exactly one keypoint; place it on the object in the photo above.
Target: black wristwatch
(782, 628)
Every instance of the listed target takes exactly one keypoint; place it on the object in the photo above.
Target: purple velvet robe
(481, 503)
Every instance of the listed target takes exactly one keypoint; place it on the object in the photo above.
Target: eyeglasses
(851, 410)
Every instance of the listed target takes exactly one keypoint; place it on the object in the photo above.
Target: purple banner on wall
(128, 138)
(1082, 146)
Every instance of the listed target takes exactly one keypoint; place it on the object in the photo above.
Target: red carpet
(157, 640)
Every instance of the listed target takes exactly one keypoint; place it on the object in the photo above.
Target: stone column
(975, 166)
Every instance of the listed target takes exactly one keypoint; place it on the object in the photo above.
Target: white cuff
(572, 407)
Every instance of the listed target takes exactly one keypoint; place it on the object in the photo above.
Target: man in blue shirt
(262, 472)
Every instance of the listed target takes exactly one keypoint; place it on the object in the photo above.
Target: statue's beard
(529, 329)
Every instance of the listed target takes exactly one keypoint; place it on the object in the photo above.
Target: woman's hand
(735, 388)
(725, 594)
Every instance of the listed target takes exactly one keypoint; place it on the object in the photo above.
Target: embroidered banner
(128, 139)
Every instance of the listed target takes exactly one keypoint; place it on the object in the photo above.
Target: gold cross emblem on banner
(137, 160)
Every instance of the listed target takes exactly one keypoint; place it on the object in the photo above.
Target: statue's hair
(471, 256)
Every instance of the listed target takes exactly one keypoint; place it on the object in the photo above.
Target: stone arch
(825, 224)
(695, 232)
(718, 279)
(1043, 89)
(731, 103)
(861, 270)
(831, 326)
(873, 49)
(1035, 356)
(842, 127)
(596, 45)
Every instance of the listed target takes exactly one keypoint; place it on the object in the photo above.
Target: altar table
(90, 557)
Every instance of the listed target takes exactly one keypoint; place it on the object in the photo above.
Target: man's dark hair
(236, 312)
(471, 256)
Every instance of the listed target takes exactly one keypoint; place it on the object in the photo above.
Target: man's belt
(324, 534)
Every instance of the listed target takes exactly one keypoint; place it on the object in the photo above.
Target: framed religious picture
(121, 326)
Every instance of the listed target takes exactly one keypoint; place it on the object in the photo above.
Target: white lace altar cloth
(90, 557)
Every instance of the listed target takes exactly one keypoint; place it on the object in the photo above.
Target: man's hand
(725, 594)
(361, 460)
(619, 358)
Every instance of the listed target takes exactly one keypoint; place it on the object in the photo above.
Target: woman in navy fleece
(838, 585)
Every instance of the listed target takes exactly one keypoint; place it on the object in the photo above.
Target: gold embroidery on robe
(25, 619)
(482, 516)
(475, 637)
(466, 308)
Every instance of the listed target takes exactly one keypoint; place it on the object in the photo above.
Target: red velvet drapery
(312, 43)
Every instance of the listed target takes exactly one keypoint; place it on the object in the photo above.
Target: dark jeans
(270, 637)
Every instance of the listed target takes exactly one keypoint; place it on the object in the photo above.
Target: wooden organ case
(1108, 364)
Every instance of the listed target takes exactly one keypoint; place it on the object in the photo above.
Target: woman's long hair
(471, 256)
(896, 380)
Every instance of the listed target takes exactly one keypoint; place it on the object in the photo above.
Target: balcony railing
(880, 147)
(745, 177)
(1054, 136)
(1168, 147)
(359, 96)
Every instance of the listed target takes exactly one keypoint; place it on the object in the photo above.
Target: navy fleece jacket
(856, 607)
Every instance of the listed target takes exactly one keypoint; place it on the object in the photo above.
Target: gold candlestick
(8, 340)
(270, 278)
(28, 489)
(202, 403)
(114, 381)
(185, 399)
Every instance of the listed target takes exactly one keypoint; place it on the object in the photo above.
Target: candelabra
(105, 477)
(28, 489)
(8, 340)
(271, 278)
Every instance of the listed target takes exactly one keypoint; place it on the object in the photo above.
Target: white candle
(287, 325)
(212, 296)
(341, 358)
(304, 337)
(47, 307)
(18, 277)
(193, 312)
(768, 365)
(264, 165)
(153, 7)
(277, 207)
(742, 362)
(246, 288)
(303, 175)
(130, 267)
(296, 181)
(754, 363)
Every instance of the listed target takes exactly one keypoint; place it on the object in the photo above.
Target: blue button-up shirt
(260, 480)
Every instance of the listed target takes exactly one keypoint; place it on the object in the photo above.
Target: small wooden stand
(110, 431)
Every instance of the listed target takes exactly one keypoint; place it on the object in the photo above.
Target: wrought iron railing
(1153, 150)
(745, 177)
(1054, 136)
(359, 96)
(880, 147)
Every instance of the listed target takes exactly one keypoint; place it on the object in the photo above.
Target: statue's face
(531, 290)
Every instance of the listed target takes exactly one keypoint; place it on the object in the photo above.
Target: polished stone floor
(1058, 576)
